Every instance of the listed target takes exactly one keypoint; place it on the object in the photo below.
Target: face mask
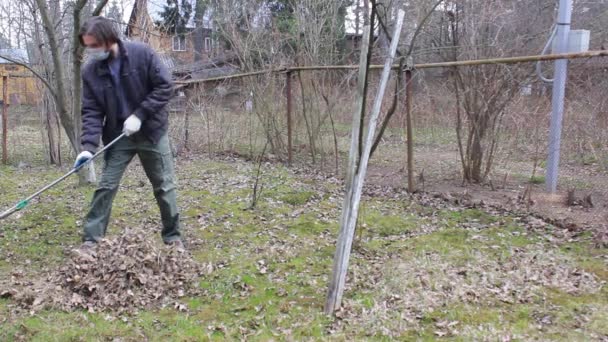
(98, 54)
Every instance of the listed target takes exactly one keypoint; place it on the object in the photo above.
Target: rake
(23, 203)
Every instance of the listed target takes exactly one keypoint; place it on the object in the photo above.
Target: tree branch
(40, 77)
(421, 25)
(389, 113)
(58, 66)
(372, 17)
(383, 26)
(100, 6)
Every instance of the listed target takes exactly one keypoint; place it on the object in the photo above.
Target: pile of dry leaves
(122, 274)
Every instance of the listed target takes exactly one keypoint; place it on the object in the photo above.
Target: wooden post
(350, 211)
(410, 137)
(58, 119)
(334, 295)
(289, 131)
(187, 121)
(4, 119)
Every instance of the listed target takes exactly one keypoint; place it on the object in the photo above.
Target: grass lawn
(421, 269)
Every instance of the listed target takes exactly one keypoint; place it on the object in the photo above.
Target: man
(125, 88)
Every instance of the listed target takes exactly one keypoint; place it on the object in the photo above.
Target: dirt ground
(438, 171)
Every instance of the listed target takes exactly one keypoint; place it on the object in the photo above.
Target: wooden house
(22, 87)
(177, 49)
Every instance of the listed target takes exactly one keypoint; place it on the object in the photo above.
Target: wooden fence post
(352, 199)
(289, 125)
(409, 129)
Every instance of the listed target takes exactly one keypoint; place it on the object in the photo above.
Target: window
(179, 43)
(207, 44)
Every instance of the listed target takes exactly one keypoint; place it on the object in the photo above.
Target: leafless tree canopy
(476, 102)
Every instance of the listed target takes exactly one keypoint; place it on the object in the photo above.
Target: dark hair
(101, 28)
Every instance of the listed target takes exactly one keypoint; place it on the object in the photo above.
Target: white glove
(132, 125)
(82, 158)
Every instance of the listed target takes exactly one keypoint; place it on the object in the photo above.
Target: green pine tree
(175, 16)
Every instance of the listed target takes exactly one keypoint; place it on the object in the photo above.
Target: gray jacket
(147, 86)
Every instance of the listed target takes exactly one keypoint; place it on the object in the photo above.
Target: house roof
(216, 67)
(16, 54)
(219, 64)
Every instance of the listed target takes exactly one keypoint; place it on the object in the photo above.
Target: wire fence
(24, 122)
(303, 115)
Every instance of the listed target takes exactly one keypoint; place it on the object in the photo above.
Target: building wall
(188, 55)
(142, 28)
(22, 86)
(180, 57)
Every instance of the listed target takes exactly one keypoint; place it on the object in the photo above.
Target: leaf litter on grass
(291, 238)
(121, 274)
(406, 289)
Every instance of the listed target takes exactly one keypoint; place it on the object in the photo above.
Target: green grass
(587, 256)
(537, 179)
(388, 225)
(298, 197)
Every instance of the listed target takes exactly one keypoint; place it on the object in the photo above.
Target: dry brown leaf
(124, 273)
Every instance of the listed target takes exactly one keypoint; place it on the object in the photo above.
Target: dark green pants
(157, 162)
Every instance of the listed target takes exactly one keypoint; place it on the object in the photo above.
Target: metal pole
(502, 60)
(559, 91)
(4, 118)
(289, 133)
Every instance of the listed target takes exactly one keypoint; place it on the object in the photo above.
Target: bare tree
(61, 90)
(474, 31)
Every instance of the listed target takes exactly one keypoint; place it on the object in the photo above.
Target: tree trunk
(60, 89)
(77, 54)
(475, 159)
(49, 120)
(199, 32)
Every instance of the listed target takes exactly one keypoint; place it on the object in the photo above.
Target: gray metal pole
(559, 90)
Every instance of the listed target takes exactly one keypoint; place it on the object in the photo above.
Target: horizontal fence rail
(503, 60)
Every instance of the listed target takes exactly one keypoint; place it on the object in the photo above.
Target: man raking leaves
(125, 88)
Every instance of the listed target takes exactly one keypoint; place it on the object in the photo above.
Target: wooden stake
(334, 286)
(352, 199)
